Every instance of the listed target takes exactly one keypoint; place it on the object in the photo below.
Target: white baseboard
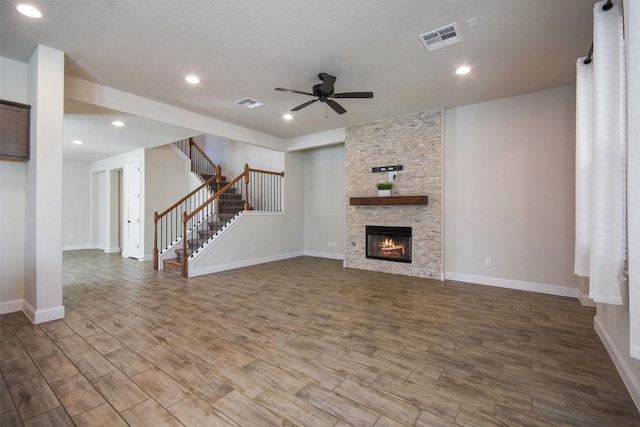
(11, 306)
(112, 250)
(44, 315)
(329, 255)
(193, 272)
(585, 300)
(76, 247)
(563, 291)
(626, 373)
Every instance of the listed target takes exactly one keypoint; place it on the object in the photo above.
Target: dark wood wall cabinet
(14, 131)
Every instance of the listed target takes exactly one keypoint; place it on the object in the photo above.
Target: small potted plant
(384, 188)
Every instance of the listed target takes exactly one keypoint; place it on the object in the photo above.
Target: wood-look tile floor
(303, 342)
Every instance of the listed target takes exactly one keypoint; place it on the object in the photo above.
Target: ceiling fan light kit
(324, 92)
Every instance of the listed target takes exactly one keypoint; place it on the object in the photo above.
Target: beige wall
(13, 87)
(509, 192)
(233, 155)
(324, 201)
(166, 180)
(76, 212)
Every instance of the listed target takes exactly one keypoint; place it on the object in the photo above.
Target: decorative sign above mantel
(393, 168)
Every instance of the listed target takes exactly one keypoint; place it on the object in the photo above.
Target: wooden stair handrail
(267, 172)
(207, 182)
(204, 184)
(193, 143)
(244, 175)
(217, 177)
(204, 204)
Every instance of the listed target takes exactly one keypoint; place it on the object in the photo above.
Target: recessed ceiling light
(117, 123)
(287, 116)
(192, 79)
(28, 10)
(463, 70)
(77, 142)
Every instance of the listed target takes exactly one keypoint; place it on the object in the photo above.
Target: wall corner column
(43, 235)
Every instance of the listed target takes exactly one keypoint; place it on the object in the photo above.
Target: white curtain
(601, 177)
(633, 175)
(608, 182)
(584, 147)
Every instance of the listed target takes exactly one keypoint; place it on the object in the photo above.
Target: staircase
(229, 205)
(205, 212)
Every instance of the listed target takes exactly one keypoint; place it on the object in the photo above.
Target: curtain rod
(607, 6)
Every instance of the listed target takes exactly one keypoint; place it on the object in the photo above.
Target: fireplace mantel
(392, 200)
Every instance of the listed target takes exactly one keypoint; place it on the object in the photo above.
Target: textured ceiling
(247, 48)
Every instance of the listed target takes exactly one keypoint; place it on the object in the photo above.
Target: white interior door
(133, 211)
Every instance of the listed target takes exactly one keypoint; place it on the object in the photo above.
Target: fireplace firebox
(389, 243)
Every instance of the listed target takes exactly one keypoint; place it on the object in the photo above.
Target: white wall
(509, 192)
(13, 80)
(43, 231)
(13, 87)
(324, 194)
(167, 180)
(103, 188)
(232, 156)
(12, 235)
(98, 208)
(76, 209)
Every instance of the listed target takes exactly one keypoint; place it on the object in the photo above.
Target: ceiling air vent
(249, 103)
(442, 37)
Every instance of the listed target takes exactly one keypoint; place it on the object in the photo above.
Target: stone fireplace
(415, 142)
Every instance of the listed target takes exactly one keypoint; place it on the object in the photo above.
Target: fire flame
(390, 248)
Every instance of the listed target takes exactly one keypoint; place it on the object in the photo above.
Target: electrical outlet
(487, 262)
(393, 176)
(332, 244)
(253, 248)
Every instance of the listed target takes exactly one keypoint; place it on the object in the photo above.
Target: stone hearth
(414, 141)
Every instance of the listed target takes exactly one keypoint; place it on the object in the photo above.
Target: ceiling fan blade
(327, 83)
(301, 106)
(294, 91)
(336, 107)
(354, 95)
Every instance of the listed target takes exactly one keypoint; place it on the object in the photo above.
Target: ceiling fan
(324, 93)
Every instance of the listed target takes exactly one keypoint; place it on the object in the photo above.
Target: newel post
(218, 175)
(156, 217)
(185, 255)
(191, 142)
(246, 186)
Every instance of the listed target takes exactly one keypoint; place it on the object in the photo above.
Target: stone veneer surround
(414, 141)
